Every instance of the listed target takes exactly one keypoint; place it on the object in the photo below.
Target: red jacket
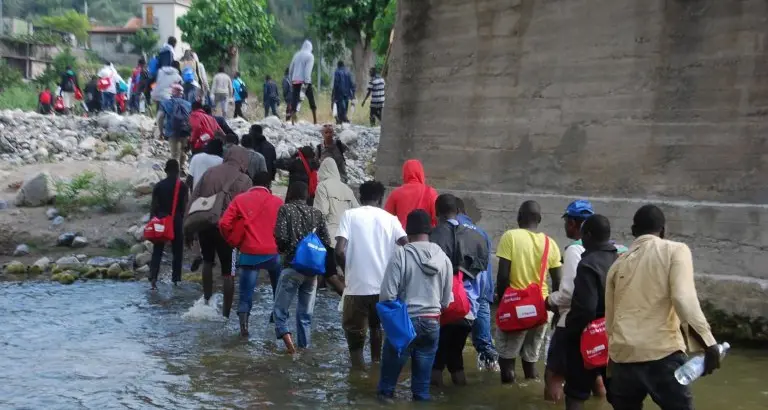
(202, 124)
(413, 194)
(248, 224)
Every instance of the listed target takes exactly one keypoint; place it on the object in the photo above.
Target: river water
(105, 345)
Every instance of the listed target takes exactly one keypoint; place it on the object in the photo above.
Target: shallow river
(104, 345)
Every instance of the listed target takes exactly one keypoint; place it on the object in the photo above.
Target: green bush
(88, 189)
(18, 97)
(52, 75)
(9, 76)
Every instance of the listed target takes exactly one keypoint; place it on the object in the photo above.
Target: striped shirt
(376, 88)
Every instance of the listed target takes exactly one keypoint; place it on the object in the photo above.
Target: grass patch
(127, 149)
(89, 189)
(18, 97)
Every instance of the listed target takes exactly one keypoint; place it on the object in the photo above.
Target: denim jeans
(270, 106)
(107, 101)
(289, 285)
(342, 107)
(248, 278)
(422, 354)
(481, 333)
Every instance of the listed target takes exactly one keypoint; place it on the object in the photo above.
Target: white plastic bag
(335, 110)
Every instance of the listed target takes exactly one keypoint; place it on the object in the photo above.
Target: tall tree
(218, 29)
(70, 22)
(350, 22)
(144, 41)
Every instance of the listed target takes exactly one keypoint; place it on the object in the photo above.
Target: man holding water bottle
(650, 307)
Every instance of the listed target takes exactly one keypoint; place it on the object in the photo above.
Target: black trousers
(212, 244)
(630, 383)
(579, 380)
(177, 249)
(296, 97)
(238, 109)
(453, 338)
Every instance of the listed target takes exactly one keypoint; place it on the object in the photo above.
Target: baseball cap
(580, 208)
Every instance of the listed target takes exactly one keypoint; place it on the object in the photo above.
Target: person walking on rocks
(413, 194)
(333, 148)
(166, 77)
(229, 180)
(376, 90)
(212, 156)
(173, 120)
(523, 253)
(265, 148)
(93, 95)
(191, 64)
(296, 220)
(420, 275)
(249, 225)
(108, 80)
(343, 91)
(240, 93)
(203, 126)
(649, 295)
(300, 72)
(222, 91)
(287, 95)
(297, 172)
(68, 85)
(162, 206)
(271, 97)
(366, 240)
(256, 163)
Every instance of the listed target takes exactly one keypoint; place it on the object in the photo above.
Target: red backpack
(594, 344)
(312, 174)
(460, 306)
(103, 83)
(523, 309)
(159, 230)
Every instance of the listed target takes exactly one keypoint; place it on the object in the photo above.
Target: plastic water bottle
(694, 368)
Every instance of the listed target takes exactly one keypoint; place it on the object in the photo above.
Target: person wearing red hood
(413, 194)
(203, 127)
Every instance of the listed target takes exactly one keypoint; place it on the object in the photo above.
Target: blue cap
(580, 208)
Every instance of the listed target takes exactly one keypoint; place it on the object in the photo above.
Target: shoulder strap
(544, 259)
(175, 198)
(305, 163)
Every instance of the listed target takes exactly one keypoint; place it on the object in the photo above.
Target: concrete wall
(621, 101)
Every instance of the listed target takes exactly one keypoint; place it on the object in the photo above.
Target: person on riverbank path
(366, 240)
(249, 225)
(162, 204)
(521, 252)
(68, 86)
(256, 162)
(203, 127)
(108, 80)
(222, 90)
(271, 97)
(265, 148)
(343, 91)
(413, 194)
(173, 121)
(376, 90)
(587, 304)
(229, 179)
(287, 95)
(649, 294)
(212, 155)
(420, 275)
(239, 93)
(487, 356)
(300, 72)
(296, 220)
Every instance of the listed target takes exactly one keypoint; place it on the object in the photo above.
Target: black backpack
(180, 121)
(243, 91)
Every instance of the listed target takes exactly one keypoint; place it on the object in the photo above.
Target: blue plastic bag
(398, 327)
(310, 255)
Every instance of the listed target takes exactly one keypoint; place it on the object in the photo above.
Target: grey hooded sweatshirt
(421, 275)
(333, 197)
(302, 64)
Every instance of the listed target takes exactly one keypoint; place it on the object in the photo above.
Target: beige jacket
(222, 84)
(649, 292)
(332, 197)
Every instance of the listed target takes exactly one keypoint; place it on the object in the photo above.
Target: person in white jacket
(166, 77)
(108, 74)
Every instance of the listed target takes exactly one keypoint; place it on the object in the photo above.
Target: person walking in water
(300, 72)
(333, 198)
(229, 180)
(522, 256)
(649, 294)
(249, 225)
(366, 239)
(420, 275)
(162, 206)
(296, 220)
(413, 194)
(587, 304)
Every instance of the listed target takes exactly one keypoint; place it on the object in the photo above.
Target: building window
(110, 39)
(150, 16)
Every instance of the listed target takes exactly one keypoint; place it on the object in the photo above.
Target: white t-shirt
(200, 163)
(371, 235)
(562, 298)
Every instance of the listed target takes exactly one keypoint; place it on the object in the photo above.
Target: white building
(162, 15)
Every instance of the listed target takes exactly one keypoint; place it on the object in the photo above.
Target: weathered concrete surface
(623, 101)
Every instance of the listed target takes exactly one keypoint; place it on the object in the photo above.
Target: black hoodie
(267, 150)
(588, 301)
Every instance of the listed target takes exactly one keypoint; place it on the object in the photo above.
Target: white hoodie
(166, 77)
(300, 71)
(109, 71)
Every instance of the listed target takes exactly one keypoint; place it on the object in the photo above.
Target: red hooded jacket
(413, 194)
(201, 124)
(248, 224)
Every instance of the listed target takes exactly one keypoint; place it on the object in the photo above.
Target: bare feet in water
(289, 347)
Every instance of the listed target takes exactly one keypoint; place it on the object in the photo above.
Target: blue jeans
(481, 333)
(422, 354)
(248, 278)
(270, 106)
(290, 283)
(107, 101)
(342, 106)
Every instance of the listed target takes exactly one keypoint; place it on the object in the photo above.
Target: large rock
(15, 268)
(102, 261)
(143, 259)
(144, 181)
(88, 144)
(36, 190)
(272, 122)
(43, 263)
(67, 262)
(21, 250)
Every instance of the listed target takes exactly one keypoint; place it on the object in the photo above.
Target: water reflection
(107, 345)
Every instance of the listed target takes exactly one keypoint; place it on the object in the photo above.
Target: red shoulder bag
(523, 309)
(594, 344)
(160, 230)
(310, 173)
